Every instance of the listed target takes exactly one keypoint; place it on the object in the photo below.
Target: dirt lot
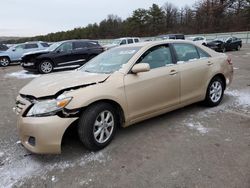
(191, 147)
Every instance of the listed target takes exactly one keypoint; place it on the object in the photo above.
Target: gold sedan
(120, 87)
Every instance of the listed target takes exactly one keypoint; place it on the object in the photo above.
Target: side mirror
(14, 49)
(141, 67)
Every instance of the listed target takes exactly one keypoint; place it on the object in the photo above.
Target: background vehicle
(117, 88)
(61, 54)
(14, 53)
(198, 39)
(171, 36)
(225, 44)
(3, 47)
(122, 41)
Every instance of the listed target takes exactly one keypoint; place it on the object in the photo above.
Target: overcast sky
(34, 17)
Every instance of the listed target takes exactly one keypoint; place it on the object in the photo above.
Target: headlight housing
(49, 107)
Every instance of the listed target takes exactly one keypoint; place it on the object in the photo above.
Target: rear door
(155, 90)
(31, 47)
(80, 52)
(194, 70)
(63, 54)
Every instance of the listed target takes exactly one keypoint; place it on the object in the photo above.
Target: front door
(155, 90)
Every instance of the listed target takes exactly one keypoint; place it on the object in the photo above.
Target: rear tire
(223, 50)
(97, 126)
(4, 61)
(45, 67)
(238, 48)
(215, 92)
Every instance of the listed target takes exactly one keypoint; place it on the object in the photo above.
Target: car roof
(152, 43)
(79, 40)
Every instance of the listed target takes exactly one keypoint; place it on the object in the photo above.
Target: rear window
(130, 41)
(186, 52)
(44, 44)
(202, 53)
(136, 40)
(93, 44)
(79, 45)
(29, 46)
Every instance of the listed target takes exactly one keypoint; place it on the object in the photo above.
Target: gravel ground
(191, 147)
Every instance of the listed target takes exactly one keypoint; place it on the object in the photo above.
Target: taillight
(229, 61)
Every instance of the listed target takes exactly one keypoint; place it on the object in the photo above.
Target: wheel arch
(222, 77)
(116, 105)
(6, 56)
(46, 58)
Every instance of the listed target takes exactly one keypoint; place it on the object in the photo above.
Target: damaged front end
(51, 105)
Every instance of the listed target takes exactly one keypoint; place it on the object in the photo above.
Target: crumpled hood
(49, 85)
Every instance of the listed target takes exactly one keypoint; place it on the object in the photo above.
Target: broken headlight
(49, 107)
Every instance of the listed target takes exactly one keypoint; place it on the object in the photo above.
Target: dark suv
(61, 54)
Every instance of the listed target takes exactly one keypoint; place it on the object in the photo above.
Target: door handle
(209, 63)
(173, 72)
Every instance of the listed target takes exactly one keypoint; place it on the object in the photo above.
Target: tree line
(205, 16)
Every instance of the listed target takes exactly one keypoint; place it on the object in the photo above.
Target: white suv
(122, 41)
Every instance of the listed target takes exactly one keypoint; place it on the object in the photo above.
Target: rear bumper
(43, 134)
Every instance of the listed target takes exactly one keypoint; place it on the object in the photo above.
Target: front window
(54, 46)
(159, 56)
(19, 47)
(65, 47)
(110, 61)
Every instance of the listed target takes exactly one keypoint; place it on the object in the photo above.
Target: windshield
(117, 41)
(110, 61)
(53, 46)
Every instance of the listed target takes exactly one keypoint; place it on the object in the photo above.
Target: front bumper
(43, 134)
(40, 134)
(31, 66)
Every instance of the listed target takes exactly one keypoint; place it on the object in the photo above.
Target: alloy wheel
(46, 67)
(4, 61)
(215, 92)
(103, 127)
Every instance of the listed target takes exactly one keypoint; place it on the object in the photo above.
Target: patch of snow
(242, 98)
(23, 74)
(54, 179)
(18, 142)
(228, 139)
(1, 154)
(198, 127)
(17, 167)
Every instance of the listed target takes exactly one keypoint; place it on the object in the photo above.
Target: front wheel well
(43, 59)
(6, 57)
(116, 105)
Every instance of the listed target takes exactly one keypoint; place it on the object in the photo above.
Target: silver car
(14, 53)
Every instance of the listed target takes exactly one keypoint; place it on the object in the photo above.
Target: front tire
(97, 126)
(4, 61)
(215, 92)
(45, 67)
